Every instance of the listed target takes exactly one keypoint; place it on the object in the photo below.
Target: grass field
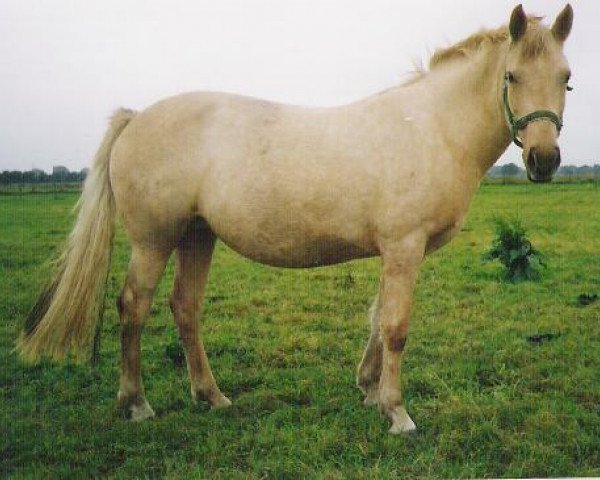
(284, 346)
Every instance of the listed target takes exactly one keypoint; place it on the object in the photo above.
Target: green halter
(519, 123)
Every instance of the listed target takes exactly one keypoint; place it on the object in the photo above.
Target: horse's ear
(563, 23)
(518, 23)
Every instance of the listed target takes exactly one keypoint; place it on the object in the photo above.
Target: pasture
(501, 379)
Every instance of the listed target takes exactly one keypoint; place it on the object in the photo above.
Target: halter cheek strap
(519, 123)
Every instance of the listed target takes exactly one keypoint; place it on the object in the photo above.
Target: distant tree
(38, 175)
(509, 170)
(567, 171)
(29, 177)
(60, 173)
(14, 177)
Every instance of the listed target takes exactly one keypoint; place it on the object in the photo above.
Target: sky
(66, 65)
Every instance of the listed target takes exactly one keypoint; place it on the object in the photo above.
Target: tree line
(58, 175)
(63, 175)
(513, 170)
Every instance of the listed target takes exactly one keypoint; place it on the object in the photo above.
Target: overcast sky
(65, 65)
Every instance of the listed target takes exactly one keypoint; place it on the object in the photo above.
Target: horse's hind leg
(369, 370)
(194, 253)
(145, 270)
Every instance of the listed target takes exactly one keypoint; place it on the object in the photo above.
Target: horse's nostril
(543, 163)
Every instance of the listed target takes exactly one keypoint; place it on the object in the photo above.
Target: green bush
(514, 250)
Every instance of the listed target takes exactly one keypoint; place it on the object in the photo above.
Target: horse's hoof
(138, 413)
(134, 407)
(135, 411)
(215, 398)
(401, 422)
(221, 402)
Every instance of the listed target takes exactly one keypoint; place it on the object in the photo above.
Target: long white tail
(66, 313)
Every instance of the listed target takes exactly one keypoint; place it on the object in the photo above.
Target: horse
(391, 175)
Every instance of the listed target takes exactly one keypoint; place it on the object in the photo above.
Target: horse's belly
(296, 249)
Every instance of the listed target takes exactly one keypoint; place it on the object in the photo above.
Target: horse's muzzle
(542, 165)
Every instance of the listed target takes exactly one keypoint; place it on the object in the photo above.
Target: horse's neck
(464, 101)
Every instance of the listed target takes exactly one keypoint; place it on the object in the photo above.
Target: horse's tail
(70, 306)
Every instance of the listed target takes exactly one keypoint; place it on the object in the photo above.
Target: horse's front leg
(400, 264)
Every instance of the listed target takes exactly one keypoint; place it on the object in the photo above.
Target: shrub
(514, 250)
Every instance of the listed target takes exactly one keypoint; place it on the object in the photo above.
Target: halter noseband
(519, 123)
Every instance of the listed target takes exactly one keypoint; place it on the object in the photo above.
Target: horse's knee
(396, 342)
(394, 337)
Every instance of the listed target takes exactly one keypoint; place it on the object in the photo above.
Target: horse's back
(269, 179)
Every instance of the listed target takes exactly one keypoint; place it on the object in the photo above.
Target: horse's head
(535, 81)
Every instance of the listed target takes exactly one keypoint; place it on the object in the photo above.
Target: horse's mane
(534, 42)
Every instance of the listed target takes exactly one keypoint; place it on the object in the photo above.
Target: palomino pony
(390, 175)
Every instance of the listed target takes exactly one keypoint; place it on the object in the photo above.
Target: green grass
(284, 345)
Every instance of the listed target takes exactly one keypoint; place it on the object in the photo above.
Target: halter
(519, 123)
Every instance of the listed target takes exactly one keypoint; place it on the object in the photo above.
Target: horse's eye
(510, 77)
